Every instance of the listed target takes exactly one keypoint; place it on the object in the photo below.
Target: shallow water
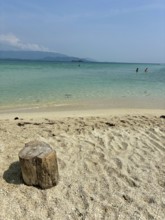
(38, 83)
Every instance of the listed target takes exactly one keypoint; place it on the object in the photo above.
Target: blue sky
(105, 30)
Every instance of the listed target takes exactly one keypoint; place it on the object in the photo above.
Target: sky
(103, 30)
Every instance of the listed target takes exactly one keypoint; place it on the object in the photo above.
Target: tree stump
(39, 164)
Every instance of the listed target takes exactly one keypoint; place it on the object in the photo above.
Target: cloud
(14, 41)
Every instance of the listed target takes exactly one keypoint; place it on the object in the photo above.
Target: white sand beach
(111, 165)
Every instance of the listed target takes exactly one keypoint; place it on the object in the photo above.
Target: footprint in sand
(2, 147)
(118, 163)
(163, 197)
(136, 216)
(124, 145)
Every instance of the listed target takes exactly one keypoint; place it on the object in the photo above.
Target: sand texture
(110, 168)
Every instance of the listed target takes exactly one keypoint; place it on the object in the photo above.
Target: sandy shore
(111, 165)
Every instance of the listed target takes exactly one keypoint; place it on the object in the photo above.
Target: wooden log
(39, 164)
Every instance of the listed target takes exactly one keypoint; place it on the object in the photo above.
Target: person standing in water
(137, 69)
(146, 70)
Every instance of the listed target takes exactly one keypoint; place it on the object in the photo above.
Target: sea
(34, 84)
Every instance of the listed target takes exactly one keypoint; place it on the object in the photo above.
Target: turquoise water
(36, 83)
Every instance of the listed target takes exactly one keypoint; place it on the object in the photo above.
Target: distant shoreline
(77, 61)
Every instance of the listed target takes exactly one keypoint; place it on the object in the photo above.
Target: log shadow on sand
(13, 174)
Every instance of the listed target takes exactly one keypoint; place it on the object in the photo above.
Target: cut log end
(39, 165)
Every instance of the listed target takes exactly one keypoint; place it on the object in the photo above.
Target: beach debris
(68, 96)
(16, 118)
(127, 198)
(34, 123)
(110, 124)
(39, 164)
(162, 116)
(23, 123)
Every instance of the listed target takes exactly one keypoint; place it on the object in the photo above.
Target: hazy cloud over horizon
(13, 41)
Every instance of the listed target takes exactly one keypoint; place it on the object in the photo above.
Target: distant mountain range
(39, 55)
